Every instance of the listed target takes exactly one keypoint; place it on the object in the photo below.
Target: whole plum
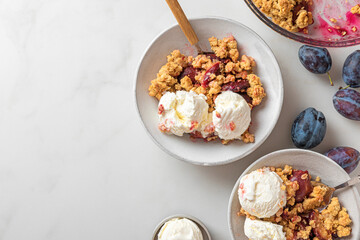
(347, 103)
(351, 70)
(348, 158)
(315, 59)
(308, 129)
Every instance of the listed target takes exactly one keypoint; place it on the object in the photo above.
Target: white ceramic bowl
(264, 116)
(317, 165)
(202, 227)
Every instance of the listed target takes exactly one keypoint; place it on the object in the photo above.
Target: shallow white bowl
(317, 165)
(264, 117)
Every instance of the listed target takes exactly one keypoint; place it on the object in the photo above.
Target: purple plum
(348, 158)
(347, 103)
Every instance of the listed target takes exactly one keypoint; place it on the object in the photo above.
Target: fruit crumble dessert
(293, 15)
(209, 96)
(284, 203)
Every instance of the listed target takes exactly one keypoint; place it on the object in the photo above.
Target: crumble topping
(356, 9)
(255, 91)
(225, 48)
(336, 219)
(293, 15)
(166, 78)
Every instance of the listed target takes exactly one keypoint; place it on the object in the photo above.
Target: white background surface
(76, 162)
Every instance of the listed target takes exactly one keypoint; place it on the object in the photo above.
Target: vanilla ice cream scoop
(262, 193)
(232, 115)
(261, 230)
(182, 112)
(180, 229)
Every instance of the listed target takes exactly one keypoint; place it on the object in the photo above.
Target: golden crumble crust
(166, 77)
(247, 137)
(336, 218)
(200, 90)
(225, 48)
(247, 63)
(186, 83)
(316, 198)
(255, 91)
(289, 14)
(355, 9)
(202, 61)
(177, 58)
(304, 19)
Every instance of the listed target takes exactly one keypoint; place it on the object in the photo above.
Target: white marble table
(75, 161)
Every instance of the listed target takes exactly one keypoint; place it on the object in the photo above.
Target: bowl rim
(200, 224)
(282, 151)
(259, 143)
(299, 38)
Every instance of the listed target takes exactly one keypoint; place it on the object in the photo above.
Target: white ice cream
(180, 229)
(261, 230)
(207, 127)
(262, 193)
(232, 115)
(182, 112)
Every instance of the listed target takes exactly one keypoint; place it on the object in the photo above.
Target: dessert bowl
(202, 227)
(317, 165)
(324, 31)
(264, 117)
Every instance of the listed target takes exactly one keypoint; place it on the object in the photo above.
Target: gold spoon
(184, 24)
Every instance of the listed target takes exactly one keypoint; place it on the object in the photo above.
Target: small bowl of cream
(181, 227)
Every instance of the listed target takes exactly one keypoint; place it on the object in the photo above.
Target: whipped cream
(262, 193)
(232, 115)
(261, 230)
(183, 112)
(180, 229)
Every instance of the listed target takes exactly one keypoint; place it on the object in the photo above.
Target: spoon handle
(349, 183)
(183, 21)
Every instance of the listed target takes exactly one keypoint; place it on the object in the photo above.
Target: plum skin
(305, 187)
(348, 158)
(190, 72)
(351, 70)
(238, 86)
(308, 129)
(347, 103)
(316, 60)
(214, 69)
